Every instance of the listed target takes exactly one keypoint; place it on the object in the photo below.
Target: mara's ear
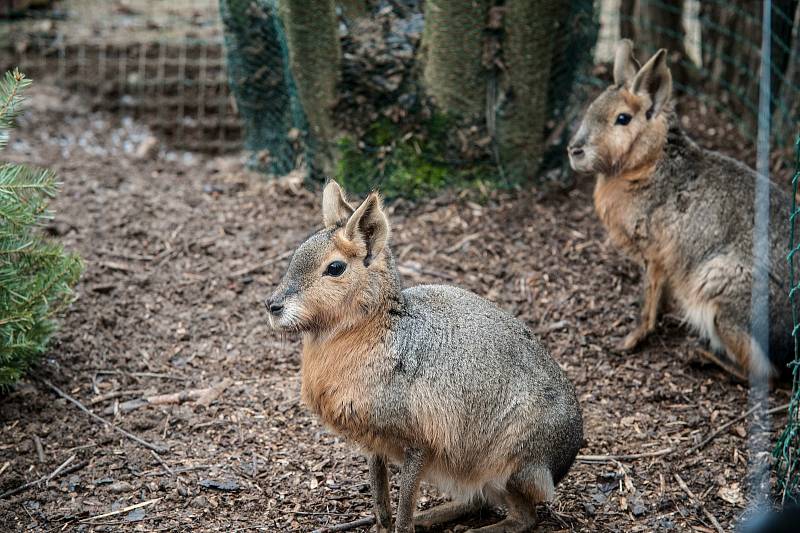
(369, 224)
(654, 80)
(625, 64)
(335, 208)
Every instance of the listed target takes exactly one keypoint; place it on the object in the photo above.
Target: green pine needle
(36, 274)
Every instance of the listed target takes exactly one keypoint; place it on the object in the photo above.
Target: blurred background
(399, 94)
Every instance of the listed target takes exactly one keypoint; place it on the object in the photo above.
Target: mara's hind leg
(742, 350)
(654, 284)
(444, 513)
(524, 490)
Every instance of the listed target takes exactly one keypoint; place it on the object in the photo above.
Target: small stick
(162, 463)
(60, 468)
(347, 526)
(700, 504)
(83, 408)
(37, 442)
(58, 471)
(115, 394)
(702, 444)
(628, 457)
(3, 469)
(120, 511)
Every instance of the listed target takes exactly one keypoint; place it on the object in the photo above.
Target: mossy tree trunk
(453, 39)
(528, 52)
(259, 81)
(315, 59)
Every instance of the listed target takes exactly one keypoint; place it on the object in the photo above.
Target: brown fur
(676, 209)
(433, 377)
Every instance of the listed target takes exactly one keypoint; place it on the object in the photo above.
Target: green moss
(405, 164)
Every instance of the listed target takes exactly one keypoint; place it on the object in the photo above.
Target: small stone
(136, 515)
(118, 487)
(200, 502)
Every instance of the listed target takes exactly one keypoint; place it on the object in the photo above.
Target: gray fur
(451, 387)
(707, 199)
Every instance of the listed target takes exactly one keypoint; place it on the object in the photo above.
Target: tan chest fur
(338, 382)
(614, 203)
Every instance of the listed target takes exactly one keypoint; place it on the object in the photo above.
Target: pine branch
(11, 88)
(36, 274)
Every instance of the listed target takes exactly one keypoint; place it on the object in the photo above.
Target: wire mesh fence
(162, 62)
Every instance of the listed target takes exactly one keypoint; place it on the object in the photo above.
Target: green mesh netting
(788, 445)
(262, 83)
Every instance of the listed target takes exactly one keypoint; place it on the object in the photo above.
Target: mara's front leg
(654, 284)
(379, 482)
(410, 477)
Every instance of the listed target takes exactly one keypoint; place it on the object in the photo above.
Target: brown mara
(433, 378)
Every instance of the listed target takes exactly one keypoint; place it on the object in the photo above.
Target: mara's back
(709, 200)
(458, 353)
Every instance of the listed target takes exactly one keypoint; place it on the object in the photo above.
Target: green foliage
(404, 164)
(36, 275)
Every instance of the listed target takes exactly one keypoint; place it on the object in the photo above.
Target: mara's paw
(632, 340)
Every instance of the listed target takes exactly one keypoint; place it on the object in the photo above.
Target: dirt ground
(181, 249)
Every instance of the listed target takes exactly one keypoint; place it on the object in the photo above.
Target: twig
(203, 397)
(162, 463)
(63, 465)
(115, 394)
(347, 526)
(37, 443)
(5, 465)
(711, 436)
(141, 374)
(628, 457)
(700, 504)
(120, 511)
(60, 471)
(79, 405)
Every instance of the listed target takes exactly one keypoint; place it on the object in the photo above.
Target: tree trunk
(260, 82)
(453, 39)
(528, 52)
(314, 55)
(660, 25)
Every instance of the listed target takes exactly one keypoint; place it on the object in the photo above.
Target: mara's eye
(335, 269)
(623, 119)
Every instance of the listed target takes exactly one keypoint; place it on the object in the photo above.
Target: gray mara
(685, 214)
(432, 377)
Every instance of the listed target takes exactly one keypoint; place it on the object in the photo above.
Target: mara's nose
(576, 151)
(273, 306)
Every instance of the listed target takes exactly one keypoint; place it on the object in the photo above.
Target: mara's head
(625, 128)
(340, 273)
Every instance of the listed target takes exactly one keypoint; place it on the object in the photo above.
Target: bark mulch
(181, 249)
